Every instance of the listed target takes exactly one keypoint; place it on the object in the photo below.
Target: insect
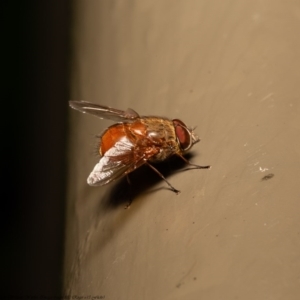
(135, 141)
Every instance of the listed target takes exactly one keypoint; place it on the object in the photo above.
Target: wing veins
(104, 112)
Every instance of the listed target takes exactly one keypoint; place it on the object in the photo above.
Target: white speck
(263, 169)
(266, 97)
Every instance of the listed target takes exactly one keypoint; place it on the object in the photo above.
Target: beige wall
(232, 69)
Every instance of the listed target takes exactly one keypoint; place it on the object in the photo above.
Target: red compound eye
(183, 134)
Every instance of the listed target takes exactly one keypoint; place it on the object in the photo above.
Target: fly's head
(185, 136)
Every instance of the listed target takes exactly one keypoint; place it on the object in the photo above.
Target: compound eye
(183, 135)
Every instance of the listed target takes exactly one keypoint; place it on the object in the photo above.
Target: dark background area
(36, 57)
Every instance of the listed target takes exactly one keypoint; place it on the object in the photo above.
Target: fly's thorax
(160, 129)
(161, 132)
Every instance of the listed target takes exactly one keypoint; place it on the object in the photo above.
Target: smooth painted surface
(232, 69)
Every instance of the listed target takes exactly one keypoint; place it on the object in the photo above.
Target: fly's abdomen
(111, 136)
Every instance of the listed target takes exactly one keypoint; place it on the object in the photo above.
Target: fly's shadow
(142, 181)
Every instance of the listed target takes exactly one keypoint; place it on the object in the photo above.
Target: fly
(135, 141)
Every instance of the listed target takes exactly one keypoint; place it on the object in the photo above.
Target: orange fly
(135, 141)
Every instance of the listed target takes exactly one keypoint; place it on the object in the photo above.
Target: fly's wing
(104, 112)
(118, 161)
(107, 170)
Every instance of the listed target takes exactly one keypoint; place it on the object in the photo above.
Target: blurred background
(35, 76)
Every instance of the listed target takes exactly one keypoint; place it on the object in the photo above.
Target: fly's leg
(194, 166)
(130, 193)
(162, 176)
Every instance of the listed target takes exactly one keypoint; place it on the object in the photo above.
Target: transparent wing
(104, 112)
(116, 162)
